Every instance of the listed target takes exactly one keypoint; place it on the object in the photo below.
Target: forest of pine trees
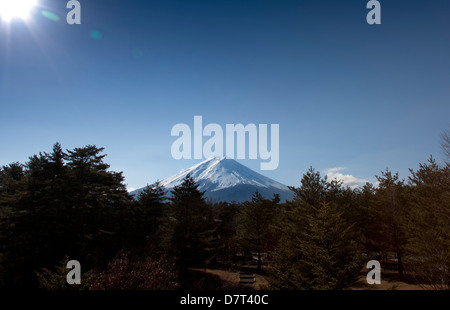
(68, 205)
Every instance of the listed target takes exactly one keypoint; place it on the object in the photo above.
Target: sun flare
(10, 9)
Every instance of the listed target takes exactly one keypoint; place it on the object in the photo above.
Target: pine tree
(321, 255)
(64, 204)
(365, 200)
(313, 189)
(387, 211)
(11, 179)
(328, 255)
(191, 233)
(316, 248)
(255, 223)
(227, 215)
(36, 227)
(149, 211)
(427, 225)
(100, 204)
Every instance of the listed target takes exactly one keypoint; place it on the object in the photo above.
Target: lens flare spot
(50, 15)
(96, 35)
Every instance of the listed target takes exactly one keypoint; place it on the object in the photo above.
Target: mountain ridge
(224, 179)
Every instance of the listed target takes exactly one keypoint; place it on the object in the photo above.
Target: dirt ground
(231, 278)
(389, 281)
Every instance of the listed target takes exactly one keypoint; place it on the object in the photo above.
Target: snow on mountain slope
(219, 173)
(225, 179)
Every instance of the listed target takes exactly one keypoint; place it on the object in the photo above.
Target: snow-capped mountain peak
(222, 177)
(219, 173)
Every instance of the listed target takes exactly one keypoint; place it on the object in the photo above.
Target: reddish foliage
(145, 274)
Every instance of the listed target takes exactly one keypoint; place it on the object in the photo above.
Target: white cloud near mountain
(348, 179)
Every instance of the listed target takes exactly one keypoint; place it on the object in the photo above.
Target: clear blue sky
(345, 93)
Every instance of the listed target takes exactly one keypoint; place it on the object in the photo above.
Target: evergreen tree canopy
(255, 223)
(61, 204)
(427, 225)
(328, 255)
(313, 188)
(150, 209)
(316, 248)
(192, 237)
(387, 212)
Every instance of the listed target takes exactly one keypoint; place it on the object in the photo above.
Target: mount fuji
(225, 179)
